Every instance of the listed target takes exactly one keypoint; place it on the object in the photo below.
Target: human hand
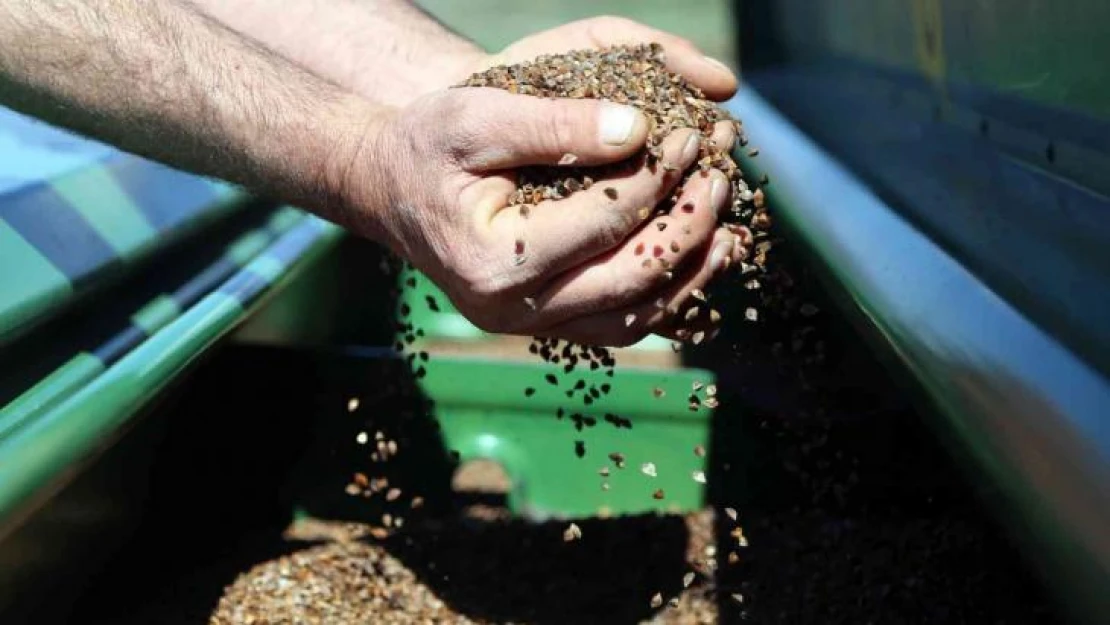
(683, 57)
(441, 169)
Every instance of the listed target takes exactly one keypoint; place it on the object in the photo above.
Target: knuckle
(561, 128)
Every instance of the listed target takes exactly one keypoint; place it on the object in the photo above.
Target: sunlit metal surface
(1034, 418)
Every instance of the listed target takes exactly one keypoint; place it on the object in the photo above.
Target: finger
(716, 80)
(562, 234)
(646, 263)
(629, 325)
(494, 130)
(724, 136)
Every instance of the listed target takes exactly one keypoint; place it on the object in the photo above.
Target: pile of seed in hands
(635, 76)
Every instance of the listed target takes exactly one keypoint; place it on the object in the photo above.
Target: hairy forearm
(161, 80)
(386, 50)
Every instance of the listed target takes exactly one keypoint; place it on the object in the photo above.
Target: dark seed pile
(648, 569)
(637, 76)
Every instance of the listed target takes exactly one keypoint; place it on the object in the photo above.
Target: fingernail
(690, 149)
(721, 256)
(617, 123)
(718, 191)
(719, 65)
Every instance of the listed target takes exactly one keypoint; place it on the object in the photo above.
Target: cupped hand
(587, 268)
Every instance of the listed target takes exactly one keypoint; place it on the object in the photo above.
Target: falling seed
(667, 275)
(605, 486)
(648, 469)
(661, 303)
(656, 600)
(687, 579)
(754, 152)
(658, 494)
(710, 551)
(530, 302)
(352, 404)
(528, 392)
(711, 390)
(737, 597)
(572, 533)
(698, 337)
(603, 471)
(361, 480)
(658, 392)
(393, 494)
(697, 294)
(676, 346)
(699, 451)
(733, 557)
(611, 193)
(691, 313)
(417, 502)
(714, 316)
(712, 402)
(568, 159)
(731, 512)
(352, 489)
(617, 458)
(629, 319)
(551, 379)
(672, 603)
(699, 477)
(751, 314)
(391, 447)
(362, 438)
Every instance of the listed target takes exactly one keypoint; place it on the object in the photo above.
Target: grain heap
(637, 76)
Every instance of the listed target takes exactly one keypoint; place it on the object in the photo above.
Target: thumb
(505, 131)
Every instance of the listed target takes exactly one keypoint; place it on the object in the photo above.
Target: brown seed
(603, 472)
(660, 226)
(617, 458)
(737, 597)
(691, 313)
(417, 502)
(687, 579)
(698, 337)
(711, 390)
(674, 247)
(714, 316)
(699, 451)
(525, 210)
(643, 213)
(646, 264)
(568, 159)
(676, 346)
(352, 489)
(362, 480)
(572, 533)
(611, 193)
(697, 294)
(686, 229)
(658, 494)
(733, 558)
(656, 600)
(393, 494)
(658, 392)
(672, 603)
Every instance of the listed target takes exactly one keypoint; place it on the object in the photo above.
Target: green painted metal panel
(484, 412)
(40, 452)
(49, 391)
(28, 282)
(155, 315)
(95, 194)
